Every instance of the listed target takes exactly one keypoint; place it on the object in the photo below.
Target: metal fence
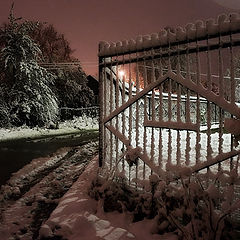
(169, 99)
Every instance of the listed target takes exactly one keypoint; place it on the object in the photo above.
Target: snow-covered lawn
(67, 127)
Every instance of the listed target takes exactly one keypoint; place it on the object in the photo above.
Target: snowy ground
(29, 197)
(80, 217)
(67, 127)
(48, 199)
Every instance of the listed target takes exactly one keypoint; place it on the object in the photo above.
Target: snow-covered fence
(170, 99)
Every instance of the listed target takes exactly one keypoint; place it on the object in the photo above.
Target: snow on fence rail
(171, 99)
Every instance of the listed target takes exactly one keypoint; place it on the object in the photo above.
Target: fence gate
(172, 99)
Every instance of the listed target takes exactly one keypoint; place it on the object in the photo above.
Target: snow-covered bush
(198, 209)
(188, 206)
(4, 116)
(31, 100)
(4, 111)
(72, 90)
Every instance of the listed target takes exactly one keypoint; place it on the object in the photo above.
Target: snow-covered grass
(66, 127)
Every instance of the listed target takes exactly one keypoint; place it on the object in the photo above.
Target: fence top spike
(222, 18)
(181, 34)
(199, 30)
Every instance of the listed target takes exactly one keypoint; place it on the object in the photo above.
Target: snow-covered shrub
(4, 111)
(31, 100)
(72, 90)
(4, 117)
(188, 206)
(199, 210)
(88, 112)
(116, 196)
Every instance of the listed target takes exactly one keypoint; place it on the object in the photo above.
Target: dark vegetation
(30, 93)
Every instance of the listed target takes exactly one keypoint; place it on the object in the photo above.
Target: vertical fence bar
(209, 148)
(169, 119)
(209, 77)
(198, 114)
(187, 108)
(130, 82)
(153, 79)
(137, 103)
(232, 74)
(123, 101)
(220, 134)
(179, 102)
(145, 114)
(137, 106)
(232, 87)
(101, 102)
(169, 101)
(117, 117)
(111, 110)
(160, 113)
(105, 109)
(209, 87)
(220, 64)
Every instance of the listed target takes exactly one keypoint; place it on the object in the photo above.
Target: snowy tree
(31, 100)
(4, 109)
(71, 83)
(72, 90)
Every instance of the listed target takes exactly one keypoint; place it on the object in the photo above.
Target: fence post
(100, 99)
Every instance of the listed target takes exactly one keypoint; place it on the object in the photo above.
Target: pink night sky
(86, 22)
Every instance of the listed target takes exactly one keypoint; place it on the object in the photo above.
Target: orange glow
(121, 73)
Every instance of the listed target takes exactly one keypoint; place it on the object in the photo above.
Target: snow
(76, 214)
(49, 177)
(66, 127)
(79, 215)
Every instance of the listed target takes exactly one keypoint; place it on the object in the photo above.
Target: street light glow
(121, 73)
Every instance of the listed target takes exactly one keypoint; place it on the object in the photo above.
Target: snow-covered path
(33, 192)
